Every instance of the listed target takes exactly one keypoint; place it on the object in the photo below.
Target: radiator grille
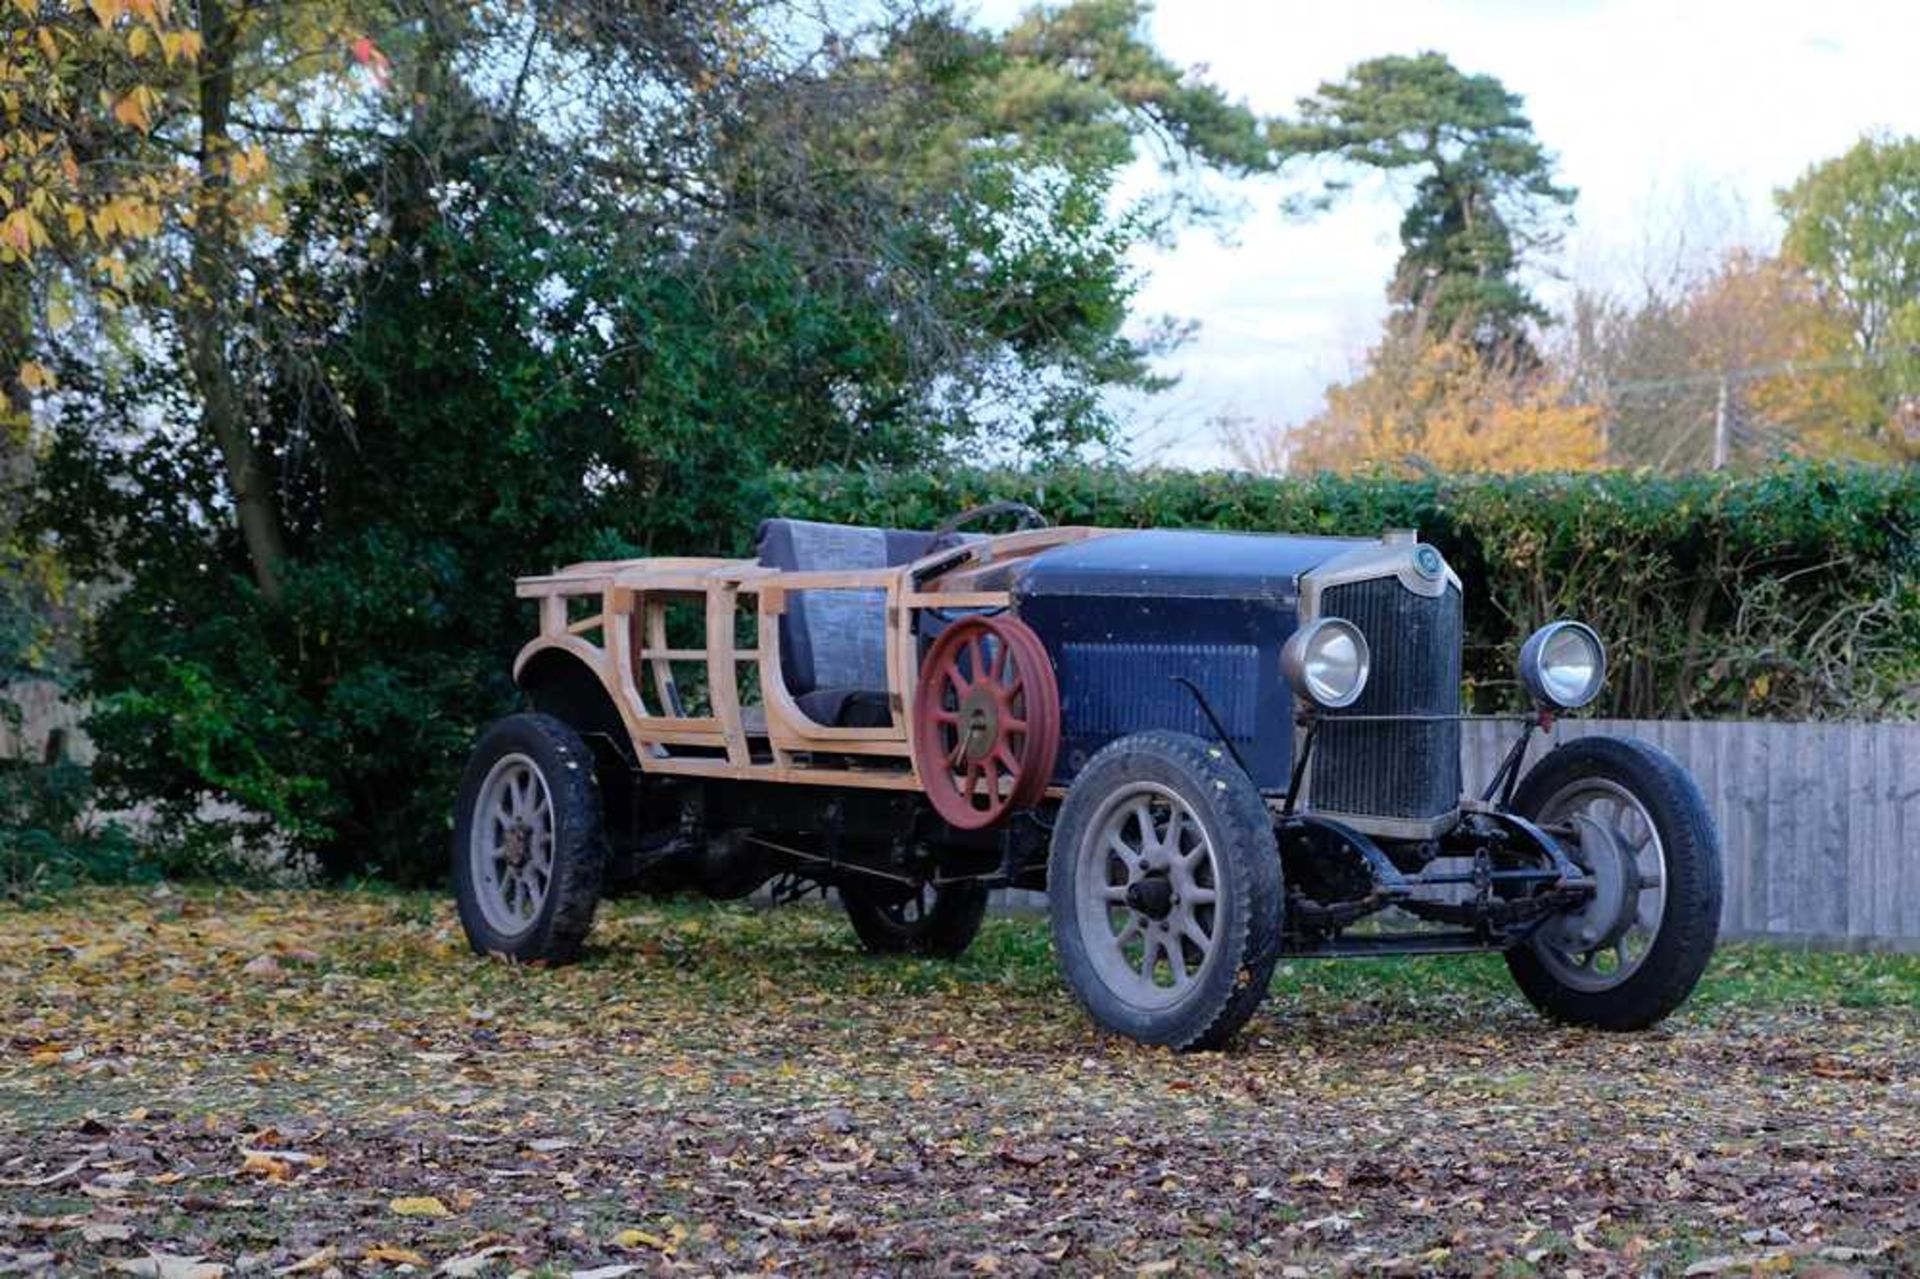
(1395, 770)
(1114, 689)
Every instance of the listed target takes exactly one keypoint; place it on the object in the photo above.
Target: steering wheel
(1025, 518)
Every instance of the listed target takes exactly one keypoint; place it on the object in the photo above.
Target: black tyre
(1636, 821)
(1164, 887)
(897, 920)
(528, 849)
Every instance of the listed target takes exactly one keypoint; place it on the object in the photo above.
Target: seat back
(835, 639)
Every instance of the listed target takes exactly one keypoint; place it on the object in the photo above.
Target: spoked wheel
(986, 721)
(897, 919)
(512, 844)
(528, 851)
(1157, 881)
(1164, 888)
(1635, 821)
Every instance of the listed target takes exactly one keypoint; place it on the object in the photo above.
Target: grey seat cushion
(835, 641)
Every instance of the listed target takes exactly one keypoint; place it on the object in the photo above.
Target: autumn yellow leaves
(1454, 406)
(720, 1090)
(71, 75)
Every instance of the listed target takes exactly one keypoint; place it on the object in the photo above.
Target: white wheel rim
(1614, 806)
(1143, 832)
(510, 850)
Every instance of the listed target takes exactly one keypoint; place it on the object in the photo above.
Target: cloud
(1669, 118)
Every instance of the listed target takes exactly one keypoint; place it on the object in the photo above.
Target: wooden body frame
(613, 617)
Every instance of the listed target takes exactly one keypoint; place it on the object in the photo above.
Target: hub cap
(1602, 945)
(511, 847)
(1148, 896)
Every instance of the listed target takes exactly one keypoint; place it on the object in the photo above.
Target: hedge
(336, 725)
(1788, 594)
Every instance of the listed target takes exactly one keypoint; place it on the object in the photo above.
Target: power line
(1752, 372)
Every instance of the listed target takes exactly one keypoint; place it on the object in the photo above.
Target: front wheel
(1164, 887)
(1634, 820)
(528, 849)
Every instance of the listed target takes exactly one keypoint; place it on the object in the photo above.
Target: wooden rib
(656, 615)
(593, 658)
(899, 640)
(723, 676)
(857, 779)
(625, 667)
(897, 749)
(679, 732)
(788, 727)
(839, 579)
(773, 685)
(958, 599)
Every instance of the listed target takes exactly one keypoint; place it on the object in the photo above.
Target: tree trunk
(16, 345)
(16, 401)
(204, 316)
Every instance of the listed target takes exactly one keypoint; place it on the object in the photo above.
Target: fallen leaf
(394, 1256)
(310, 1264)
(261, 1164)
(52, 1178)
(474, 1263)
(1765, 1263)
(162, 1265)
(419, 1206)
(1836, 1252)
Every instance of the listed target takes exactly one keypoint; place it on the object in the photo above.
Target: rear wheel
(1164, 887)
(900, 920)
(528, 849)
(1634, 820)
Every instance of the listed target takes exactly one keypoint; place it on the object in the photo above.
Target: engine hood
(1182, 563)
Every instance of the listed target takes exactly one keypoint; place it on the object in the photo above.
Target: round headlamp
(1326, 662)
(1563, 665)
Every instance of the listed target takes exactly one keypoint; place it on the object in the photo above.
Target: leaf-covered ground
(307, 1082)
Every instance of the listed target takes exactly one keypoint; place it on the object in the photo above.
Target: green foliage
(1789, 594)
(673, 276)
(48, 838)
(467, 355)
(1854, 223)
(1485, 195)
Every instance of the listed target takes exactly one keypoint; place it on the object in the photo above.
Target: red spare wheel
(986, 721)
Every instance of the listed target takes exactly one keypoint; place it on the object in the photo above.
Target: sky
(1676, 119)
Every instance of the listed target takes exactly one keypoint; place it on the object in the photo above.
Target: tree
(1485, 203)
(1748, 348)
(1853, 223)
(80, 172)
(1426, 402)
(513, 285)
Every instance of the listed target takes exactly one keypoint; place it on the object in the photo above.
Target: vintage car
(1208, 749)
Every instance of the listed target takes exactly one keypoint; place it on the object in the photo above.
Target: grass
(1015, 952)
(719, 1089)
